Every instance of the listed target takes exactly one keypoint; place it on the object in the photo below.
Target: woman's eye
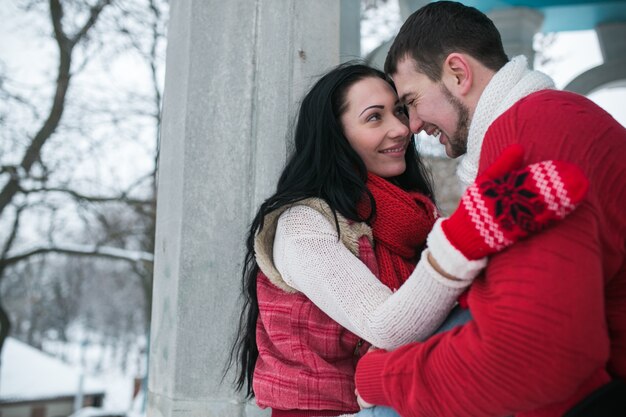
(373, 117)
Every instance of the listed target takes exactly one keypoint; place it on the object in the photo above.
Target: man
(549, 314)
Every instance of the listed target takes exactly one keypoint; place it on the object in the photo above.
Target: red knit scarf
(403, 220)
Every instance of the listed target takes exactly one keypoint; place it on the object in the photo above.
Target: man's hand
(362, 403)
(507, 203)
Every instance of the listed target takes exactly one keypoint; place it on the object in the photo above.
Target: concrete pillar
(612, 40)
(235, 71)
(350, 45)
(517, 26)
(407, 7)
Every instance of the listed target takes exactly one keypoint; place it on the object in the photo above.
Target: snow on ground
(27, 372)
(115, 365)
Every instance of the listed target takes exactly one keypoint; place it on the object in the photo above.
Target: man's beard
(458, 140)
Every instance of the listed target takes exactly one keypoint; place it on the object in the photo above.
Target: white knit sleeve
(311, 259)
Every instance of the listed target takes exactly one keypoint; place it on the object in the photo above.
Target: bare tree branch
(7, 95)
(91, 21)
(56, 14)
(65, 46)
(83, 34)
(15, 171)
(80, 250)
(5, 326)
(156, 35)
(8, 244)
(5, 321)
(122, 198)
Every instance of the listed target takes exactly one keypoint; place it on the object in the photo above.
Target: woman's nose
(399, 128)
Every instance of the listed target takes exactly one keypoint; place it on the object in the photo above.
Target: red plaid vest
(306, 360)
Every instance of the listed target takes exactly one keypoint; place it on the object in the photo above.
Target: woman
(332, 257)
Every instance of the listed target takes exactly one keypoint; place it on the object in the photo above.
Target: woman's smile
(398, 149)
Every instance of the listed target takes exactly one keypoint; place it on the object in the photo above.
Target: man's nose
(415, 123)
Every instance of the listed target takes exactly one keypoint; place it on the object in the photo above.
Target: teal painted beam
(563, 15)
(582, 17)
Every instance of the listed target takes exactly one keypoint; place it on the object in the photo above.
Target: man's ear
(457, 74)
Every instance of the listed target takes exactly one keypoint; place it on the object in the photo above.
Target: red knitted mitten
(508, 203)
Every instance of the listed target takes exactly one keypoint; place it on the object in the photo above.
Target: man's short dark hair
(438, 29)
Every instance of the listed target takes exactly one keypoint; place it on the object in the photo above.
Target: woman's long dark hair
(322, 164)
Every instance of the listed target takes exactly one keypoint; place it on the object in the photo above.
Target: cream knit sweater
(311, 259)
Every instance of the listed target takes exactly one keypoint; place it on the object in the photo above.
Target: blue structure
(563, 15)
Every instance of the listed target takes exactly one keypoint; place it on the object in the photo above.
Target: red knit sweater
(550, 312)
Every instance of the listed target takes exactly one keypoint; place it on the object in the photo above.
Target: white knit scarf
(513, 82)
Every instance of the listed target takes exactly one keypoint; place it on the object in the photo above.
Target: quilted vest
(306, 360)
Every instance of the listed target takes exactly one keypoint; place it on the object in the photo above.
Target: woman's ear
(457, 74)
